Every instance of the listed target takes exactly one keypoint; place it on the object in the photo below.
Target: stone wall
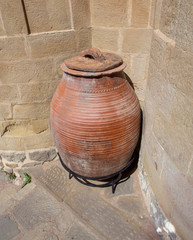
(123, 27)
(35, 37)
(167, 145)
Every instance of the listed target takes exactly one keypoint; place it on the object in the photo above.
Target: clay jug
(95, 115)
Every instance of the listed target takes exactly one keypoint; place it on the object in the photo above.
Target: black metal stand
(111, 180)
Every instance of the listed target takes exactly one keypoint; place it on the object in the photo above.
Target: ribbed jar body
(95, 123)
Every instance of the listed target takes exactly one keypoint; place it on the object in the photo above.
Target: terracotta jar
(95, 115)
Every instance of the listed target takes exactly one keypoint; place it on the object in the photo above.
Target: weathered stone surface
(81, 13)
(136, 40)
(23, 192)
(169, 17)
(140, 13)
(161, 193)
(44, 16)
(43, 231)
(30, 164)
(7, 193)
(175, 143)
(58, 60)
(38, 141)
(39, 125)
(9, 228)
(182, 212)
(13, 143)
(103, 218)
(27, 71)
(14, 156)
(180, 71)
(43, 155)
(53, 43)
(64, 221)
(161, 90)
(5, 111)
(12, 48)
(36, 207)
(11, 165)
(2, 29)
(9, 93)
(181, 116)
(132, 206)
(139, 67)
(109, 13)
(31, 111)
(184, 33)
(160, 49)
(55, 180)
(37, 92)
(122, 189)
(78, 232)
(84, 39)
(106, 39)
(13, 17)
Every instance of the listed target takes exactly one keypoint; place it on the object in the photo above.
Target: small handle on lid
(93, 53)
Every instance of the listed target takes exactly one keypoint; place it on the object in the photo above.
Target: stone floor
(52, 207)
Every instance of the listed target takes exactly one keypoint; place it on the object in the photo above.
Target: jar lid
(92, 62)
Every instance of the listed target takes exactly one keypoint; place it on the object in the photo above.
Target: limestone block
(38, 141)
(13, 143)
(9, 93)
(139, 67)
(37, 92)
(182, 114)
(39, 125)
(184, 33)
(152, 12)
(110, 13)
(169, 17)
(51, 44)
(12, 48)
(161, 90)
(140, 13)
(35, 208)
(14, 156)
(2, 29)
(58, 60)
(84, 39)
(44, 16)
(180, 70)
(160, 50)
(136, 40)
(5, 111)
(106, 39)
(42, 155)
(13, 17)
(26, 71)
(175, 143)
(31, 111)
(81, 13)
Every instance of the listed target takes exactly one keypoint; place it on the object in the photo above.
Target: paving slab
(36, 207)
(53, 207)
(78, 232)
(8, 227)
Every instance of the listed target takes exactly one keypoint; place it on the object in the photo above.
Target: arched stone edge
(163, 226)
